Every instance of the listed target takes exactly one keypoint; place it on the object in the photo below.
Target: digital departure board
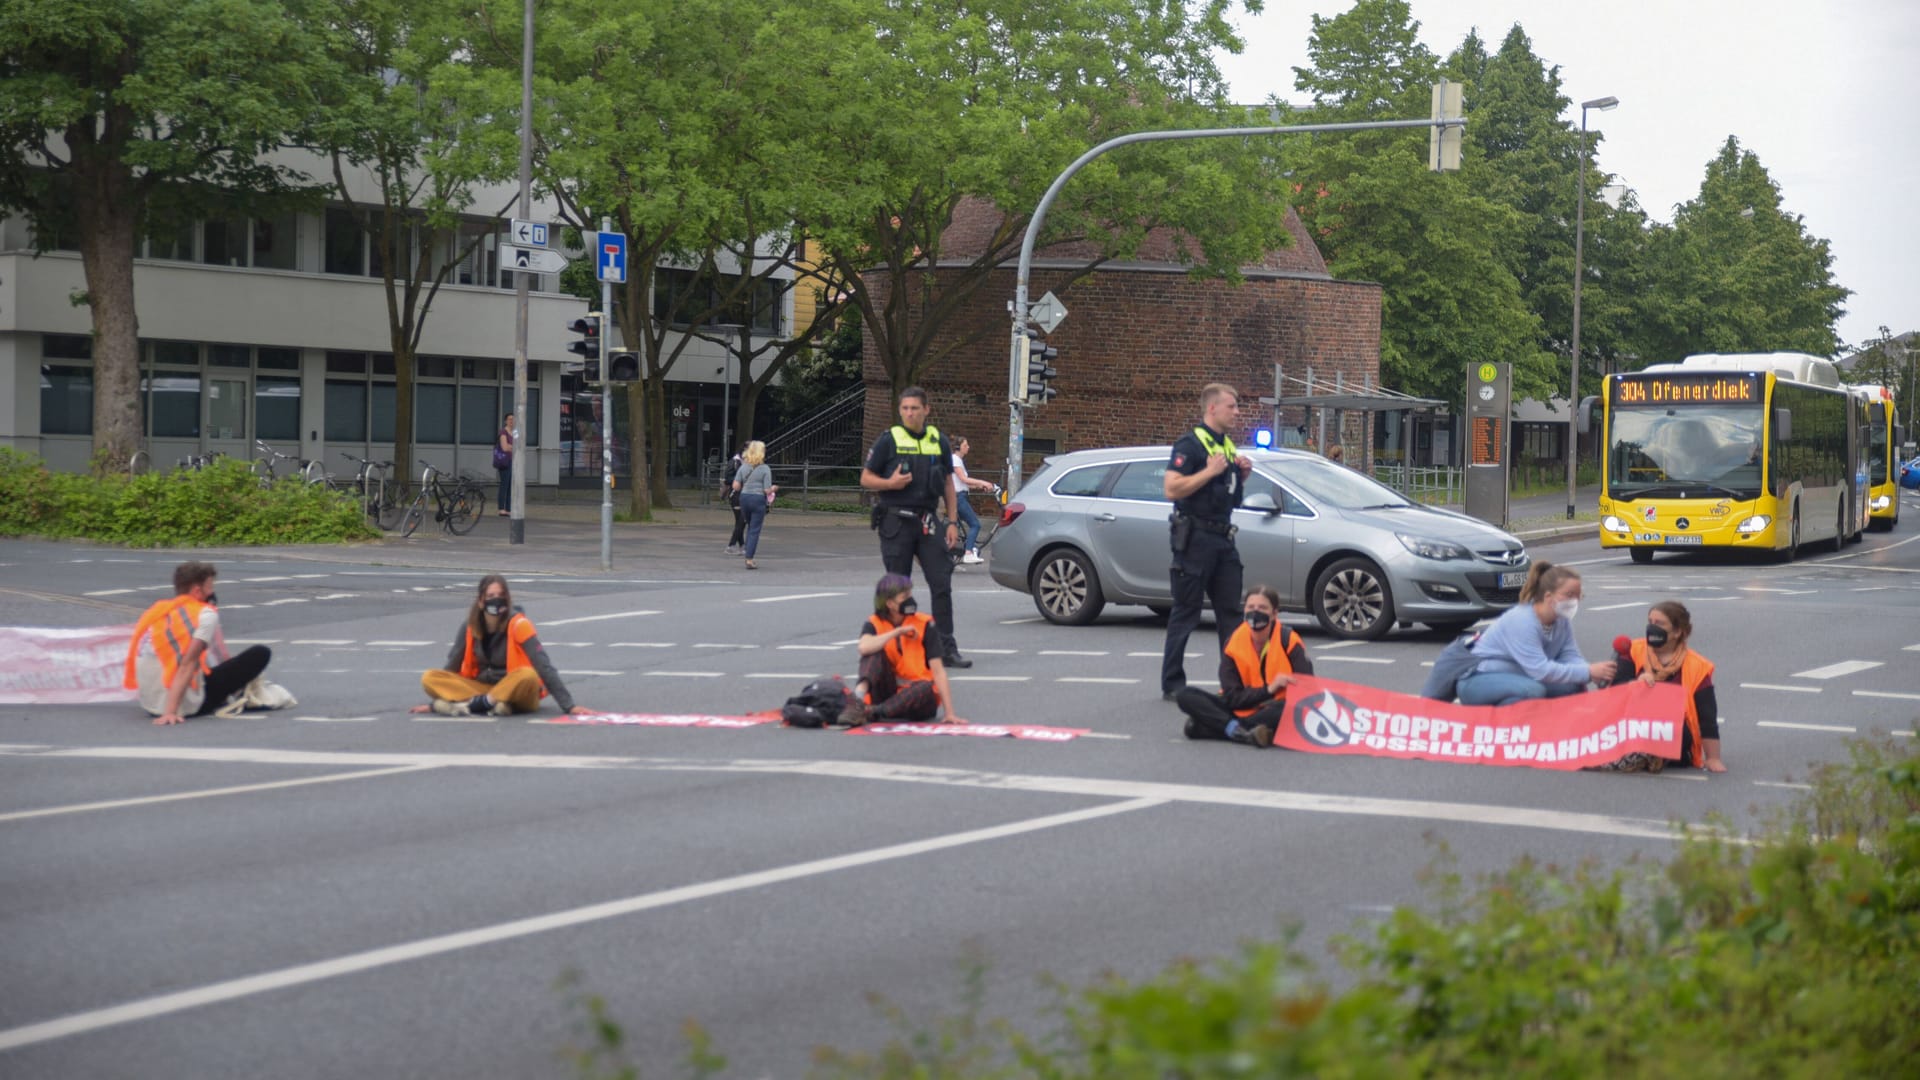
(1687, 389)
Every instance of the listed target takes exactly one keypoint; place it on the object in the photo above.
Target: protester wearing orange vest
(1261, 658)
(167, 658)
(1664, 656)
(497, 665)
(903, 678)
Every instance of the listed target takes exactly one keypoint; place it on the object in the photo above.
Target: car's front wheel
(1353, 601)
(1065, 588)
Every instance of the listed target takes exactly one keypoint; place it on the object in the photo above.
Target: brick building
(1141, 341)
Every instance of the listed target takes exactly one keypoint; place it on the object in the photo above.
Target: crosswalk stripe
(1776, 686)
(1844, 667)
(1886, 694)
(1807, 727)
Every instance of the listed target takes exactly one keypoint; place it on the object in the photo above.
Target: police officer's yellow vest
(1224, 446)
(905, 444)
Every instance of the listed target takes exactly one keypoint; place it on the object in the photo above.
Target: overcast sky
(1826, 92)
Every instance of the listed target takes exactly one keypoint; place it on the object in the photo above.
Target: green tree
(124, 117)
(425, 151)
(1736, 273)
(1434, 242)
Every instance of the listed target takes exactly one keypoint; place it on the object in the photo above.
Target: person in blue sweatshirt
(1529, 652)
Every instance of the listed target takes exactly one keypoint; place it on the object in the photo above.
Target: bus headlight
(1757, 523)
(1613, 524)
(1881, 502)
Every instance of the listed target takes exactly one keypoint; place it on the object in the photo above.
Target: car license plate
(1683, 538)
(1513, 579)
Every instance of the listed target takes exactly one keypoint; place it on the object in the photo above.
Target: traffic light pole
(1016, 367)
(517, 486)
(606, 417)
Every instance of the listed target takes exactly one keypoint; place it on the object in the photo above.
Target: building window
(384, 410)
(276, 407)
(346, 409)
(66, 400)
(433, 367)
(273, 242)
(346, 363)
(433, 412)
(345, 244)
(176, 353)
(171, 243)
(480, 414)
(229, 356)
(279, 359)
(174, 404)
(66, 347)
(224, 243)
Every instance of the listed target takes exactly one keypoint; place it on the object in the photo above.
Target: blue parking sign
(610, 257)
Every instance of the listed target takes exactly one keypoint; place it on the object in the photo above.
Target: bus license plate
(1683, 539)
(1513, 579)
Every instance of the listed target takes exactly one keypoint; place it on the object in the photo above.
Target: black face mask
(1656, 635)
(494, 607)
(908, 607)
(1259, 620)
(214, 599)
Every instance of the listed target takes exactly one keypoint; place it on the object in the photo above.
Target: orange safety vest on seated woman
(907, 654)
(171, 623)
(1258, 669)
(519, 629)
(1694, 670)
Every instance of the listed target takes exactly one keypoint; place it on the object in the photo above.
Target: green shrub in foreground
(220, 504)
(1794, 954)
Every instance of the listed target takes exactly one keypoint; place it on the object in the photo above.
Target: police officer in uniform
(911, 468)
(1205, 477)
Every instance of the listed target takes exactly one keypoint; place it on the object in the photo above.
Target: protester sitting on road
(1665, 655)
(902, 675)
(497, 666)
(1261, 658)
(167, 658)
(1529, 651)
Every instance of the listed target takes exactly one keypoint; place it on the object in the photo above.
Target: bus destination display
(1687, 390)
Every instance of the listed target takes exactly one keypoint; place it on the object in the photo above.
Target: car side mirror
(1261, 502)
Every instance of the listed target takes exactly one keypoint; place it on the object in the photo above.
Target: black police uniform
(909, 520)
(1206, 565)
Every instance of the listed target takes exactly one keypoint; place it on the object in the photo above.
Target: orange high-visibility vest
(907, 654)
(1694, 670)
(1257, 669)
(172, 623)
(519, 629)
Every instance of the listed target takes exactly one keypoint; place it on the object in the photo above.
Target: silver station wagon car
(1090, 529)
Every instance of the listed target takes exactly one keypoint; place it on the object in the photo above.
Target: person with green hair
(903, 676)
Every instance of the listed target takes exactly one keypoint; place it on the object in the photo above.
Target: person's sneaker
(955, 660)
(1262, 736)
(735, 549)
(501, 708)
(972, 558)
(1193, 730)
(855, 714)
(451, 708)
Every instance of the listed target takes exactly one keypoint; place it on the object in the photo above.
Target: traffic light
(1040, 369)
(589, 344)
(623, 367)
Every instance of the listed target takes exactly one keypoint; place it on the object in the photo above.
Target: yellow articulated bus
(1882, 461)
(1753, 451)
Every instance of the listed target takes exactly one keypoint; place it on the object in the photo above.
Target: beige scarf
(1665, 672)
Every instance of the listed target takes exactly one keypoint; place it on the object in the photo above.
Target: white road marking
(1886, 694)
(795, 596)
(308, 577)
(337, 596)
(989, 678)
(689, 674)
(321, 641)
(1105, 735)
(1358, 659)
(436, 718)
(812, 648)
(597, 618)
(280, 578)
(1780, 784)
(1017, 622)
(285, 600)
(999, 652)
(1339, 645)
(1807, 727)
(1910, 648)
(720, 645)
(107, 592)
(406, 643)
(149, 800)
(1782, 592)
(803, 676)
(1616, 607)
(1111, 682)
(300, 975)
(1844, 667)
(1143, 654)
(337, 719)
(251, 640)
(1904, 734)
(563, 671)
(1073, 652)
(1775, 686)
(1682, 776)
(641, 645)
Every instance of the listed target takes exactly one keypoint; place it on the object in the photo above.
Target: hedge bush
(220, 504)
(1793, 953)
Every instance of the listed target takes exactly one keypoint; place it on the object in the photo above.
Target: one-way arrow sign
(532, 260)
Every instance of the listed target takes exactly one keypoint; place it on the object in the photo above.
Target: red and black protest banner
(1328, 717)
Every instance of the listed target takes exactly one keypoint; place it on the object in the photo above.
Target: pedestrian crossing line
(719, 645)
(564, 671)
(1073, 652)
(251, 640)
(337, 596)
(107, 592)
(285, 600)
(1090, 679)
(407, 644)
(435, 718)
(689, 674)
(337, 719)
(989, 678)
(988, 652)
(1358, 659)
(1339, 645)
(600, 618)
(1771, 589)
(1105, 735)
(815, 648)
(1616, 607)
(803, 676)
(641, 645)
(1834, 671)
(1776, 686)
(282, 577)
(1887, 694)
(1808, 727)
(321, 641)
(1910, 648)
(795, 596)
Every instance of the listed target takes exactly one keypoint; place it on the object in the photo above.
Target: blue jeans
(971, 520)
(754, 507)
(1505, 688)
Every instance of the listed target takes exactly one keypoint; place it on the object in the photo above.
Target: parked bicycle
(140, 464)
(267, 466)
(458, 506)
(194, 462)
(372, 485)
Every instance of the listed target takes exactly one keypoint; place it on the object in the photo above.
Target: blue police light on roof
(1263, 438)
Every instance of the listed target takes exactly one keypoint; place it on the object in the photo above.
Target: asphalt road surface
(343, 889)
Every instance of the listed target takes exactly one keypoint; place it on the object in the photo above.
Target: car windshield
(1654, 449)
(1335, 485)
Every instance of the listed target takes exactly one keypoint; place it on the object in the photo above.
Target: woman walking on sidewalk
(754, 484)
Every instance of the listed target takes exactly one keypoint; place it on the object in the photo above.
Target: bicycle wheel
(465, 511)
(415, 515)
(392, 505)
(263, 469)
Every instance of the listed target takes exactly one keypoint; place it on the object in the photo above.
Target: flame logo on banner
(1324, 720)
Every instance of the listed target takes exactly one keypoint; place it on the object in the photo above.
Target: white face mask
(1566, 609)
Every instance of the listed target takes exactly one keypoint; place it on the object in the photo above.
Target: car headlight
(1613, 524)
(1432, 549)
(1754, 524)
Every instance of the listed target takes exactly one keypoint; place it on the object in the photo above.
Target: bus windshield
(1660, 451)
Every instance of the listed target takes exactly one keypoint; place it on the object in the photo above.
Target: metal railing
(1432, 485)
(819, 428)
(821, 488)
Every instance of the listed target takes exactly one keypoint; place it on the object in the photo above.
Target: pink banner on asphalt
(49, 666)
(983, 731)
(680, 720)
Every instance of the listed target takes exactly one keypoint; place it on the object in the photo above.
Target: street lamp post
(1579, 237)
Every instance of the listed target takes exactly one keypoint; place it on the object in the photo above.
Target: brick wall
(1135, 351)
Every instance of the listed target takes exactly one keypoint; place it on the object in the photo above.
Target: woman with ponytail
(1529, 652)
